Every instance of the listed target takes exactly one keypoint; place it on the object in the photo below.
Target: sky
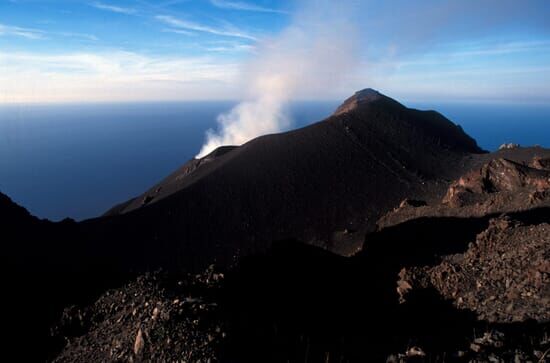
(174, 50)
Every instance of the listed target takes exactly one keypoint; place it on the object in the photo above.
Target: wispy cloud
(240, 48)
(240, 5)
(503, 48)
(21, 32)
(451, 53)
(189, 25)
(116, 65)
(37, 34)
(229, 47)
(113, 8)
(79, 35)
(112, 76)
(178, 31)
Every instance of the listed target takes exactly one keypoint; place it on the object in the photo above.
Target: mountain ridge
(325, 177)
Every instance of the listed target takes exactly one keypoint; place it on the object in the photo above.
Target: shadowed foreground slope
(443, 282)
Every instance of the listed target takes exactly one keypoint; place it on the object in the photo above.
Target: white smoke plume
(307, 59)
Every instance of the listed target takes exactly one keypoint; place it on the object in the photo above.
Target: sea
(78, 160)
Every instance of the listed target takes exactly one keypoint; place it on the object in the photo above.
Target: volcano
(325, 184)
(350, 238)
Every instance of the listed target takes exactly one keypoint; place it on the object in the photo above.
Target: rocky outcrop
(158, 317)
(508, 146)
(540, 163)
(499, 176)
(497, 186)
(504, 275)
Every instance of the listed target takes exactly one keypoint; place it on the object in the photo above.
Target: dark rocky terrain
(379, 234)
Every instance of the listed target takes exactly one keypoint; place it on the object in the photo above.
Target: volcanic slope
(325, 184)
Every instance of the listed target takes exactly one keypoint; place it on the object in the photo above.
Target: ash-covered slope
(319, 184)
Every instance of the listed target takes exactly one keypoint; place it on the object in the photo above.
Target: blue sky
(134, 50)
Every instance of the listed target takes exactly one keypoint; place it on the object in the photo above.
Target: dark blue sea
(79, 160)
